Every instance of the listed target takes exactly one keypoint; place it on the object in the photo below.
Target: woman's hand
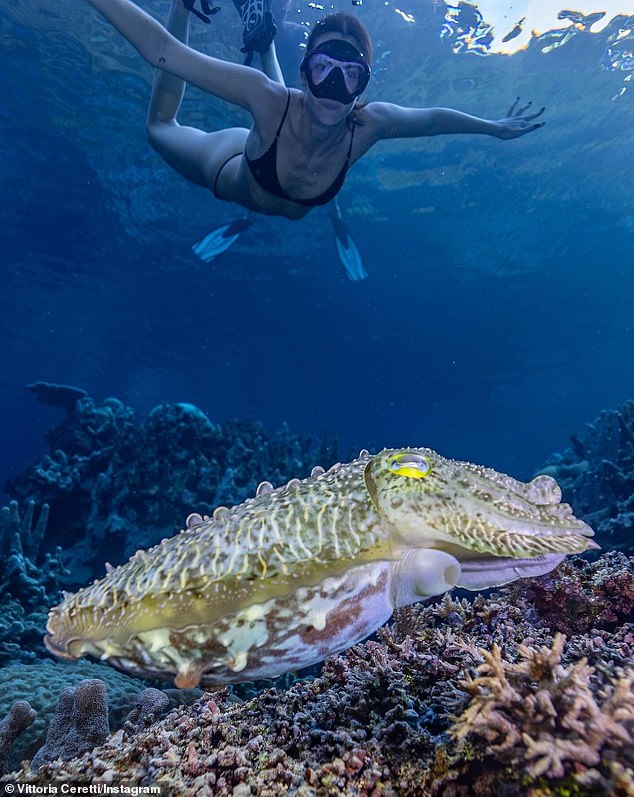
(517, 122)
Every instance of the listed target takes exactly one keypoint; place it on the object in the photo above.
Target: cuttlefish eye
(413, 466)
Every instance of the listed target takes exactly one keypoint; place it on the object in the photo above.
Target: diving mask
(336, 70)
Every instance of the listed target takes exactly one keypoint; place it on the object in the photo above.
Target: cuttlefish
(301, 571)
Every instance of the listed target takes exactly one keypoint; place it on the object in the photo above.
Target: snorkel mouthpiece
(330, 59)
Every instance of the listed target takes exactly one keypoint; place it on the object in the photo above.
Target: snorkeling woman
(302, 141)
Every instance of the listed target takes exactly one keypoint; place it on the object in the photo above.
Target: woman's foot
(258, 27)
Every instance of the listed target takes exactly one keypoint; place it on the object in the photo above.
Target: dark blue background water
(497, 318)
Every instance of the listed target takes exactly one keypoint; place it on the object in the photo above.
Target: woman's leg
(168, 90)
(193, 153)
(271, 66)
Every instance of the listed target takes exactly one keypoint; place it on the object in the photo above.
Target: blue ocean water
(497, 316)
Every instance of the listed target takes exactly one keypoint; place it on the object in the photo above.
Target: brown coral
(543, 717)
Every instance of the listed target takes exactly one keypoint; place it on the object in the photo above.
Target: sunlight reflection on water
(497, 26)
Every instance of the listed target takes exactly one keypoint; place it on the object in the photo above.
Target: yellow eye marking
(412, 466)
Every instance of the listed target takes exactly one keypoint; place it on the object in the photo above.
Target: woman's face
(334, 72)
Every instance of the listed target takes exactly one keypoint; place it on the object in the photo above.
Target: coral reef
(151, 703)
(456, 697)
(525, 691)
(21, 631)
(580, 596)
(114, 484)
(110, 485)
(597, 476)
(29, 581)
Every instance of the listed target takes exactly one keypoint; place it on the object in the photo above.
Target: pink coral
(580, 595)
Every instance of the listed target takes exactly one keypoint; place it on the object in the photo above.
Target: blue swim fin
(220, 239)
(347, 249)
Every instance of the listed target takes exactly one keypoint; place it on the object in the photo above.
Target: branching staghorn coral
(543, 717)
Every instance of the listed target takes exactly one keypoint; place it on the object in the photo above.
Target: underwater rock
(597, 476)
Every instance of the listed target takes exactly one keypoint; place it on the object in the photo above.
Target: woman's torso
(304, 172)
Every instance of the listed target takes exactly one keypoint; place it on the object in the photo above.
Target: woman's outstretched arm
(235, 83)
(394, 121)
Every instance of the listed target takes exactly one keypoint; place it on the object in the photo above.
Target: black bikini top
(264, 170)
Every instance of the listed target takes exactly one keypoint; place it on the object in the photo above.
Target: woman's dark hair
(345, 24)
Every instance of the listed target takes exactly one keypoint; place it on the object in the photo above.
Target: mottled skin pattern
(307, 569)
